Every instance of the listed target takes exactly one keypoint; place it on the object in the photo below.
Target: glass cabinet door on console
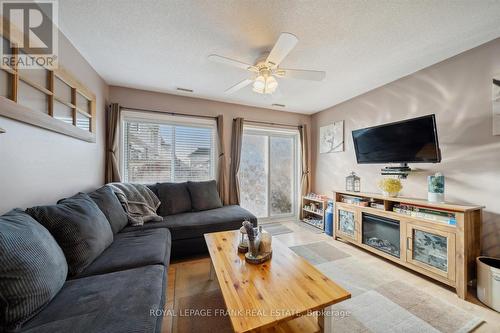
(347, 223)
(431, 249)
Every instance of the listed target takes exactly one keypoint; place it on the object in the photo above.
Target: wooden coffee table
(280, 295)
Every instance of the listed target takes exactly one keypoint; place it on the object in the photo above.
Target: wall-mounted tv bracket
(402, 171)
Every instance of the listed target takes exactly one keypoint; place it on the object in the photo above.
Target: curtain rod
(168, 112)
(269, 123)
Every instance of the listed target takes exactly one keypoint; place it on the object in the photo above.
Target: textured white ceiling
(162, 45)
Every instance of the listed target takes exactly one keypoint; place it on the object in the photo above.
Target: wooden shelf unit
(306, 213)
(462, 240)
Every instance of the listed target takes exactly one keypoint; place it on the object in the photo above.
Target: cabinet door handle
(408, 243)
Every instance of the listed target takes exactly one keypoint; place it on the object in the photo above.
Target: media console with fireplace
(440, 240)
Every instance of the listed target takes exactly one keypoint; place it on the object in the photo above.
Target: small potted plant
(390, 186)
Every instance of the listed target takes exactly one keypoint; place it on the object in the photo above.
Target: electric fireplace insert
(382, 234)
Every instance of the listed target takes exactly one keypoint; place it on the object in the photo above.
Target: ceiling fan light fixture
(267, 68)
(265, 84)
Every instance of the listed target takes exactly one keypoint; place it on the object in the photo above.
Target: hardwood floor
(302, 236)
(169, 305)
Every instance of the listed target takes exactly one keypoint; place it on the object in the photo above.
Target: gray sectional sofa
(78, 267)
(191, 209)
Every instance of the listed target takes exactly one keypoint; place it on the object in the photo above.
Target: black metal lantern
(353, 183)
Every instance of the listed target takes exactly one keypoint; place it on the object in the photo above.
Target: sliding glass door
(269, 172)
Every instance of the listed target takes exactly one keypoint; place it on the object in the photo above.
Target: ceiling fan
(266, 69)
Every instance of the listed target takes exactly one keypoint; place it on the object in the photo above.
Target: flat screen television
(408, 141)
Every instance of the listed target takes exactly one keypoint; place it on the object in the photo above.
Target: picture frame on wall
(331, 138)
(496, 104)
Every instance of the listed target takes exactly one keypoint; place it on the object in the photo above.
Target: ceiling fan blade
(238, 86)
(301, 74)
(286, 42)
(231, 62)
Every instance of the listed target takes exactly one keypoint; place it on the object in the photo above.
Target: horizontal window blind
(163, 151)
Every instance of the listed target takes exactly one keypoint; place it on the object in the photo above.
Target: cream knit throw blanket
(139, 202)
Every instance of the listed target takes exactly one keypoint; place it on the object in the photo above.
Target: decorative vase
(253, 256)
(435, 187)
(390, 194)
(253, 240)
(243, 242)
(265, 241)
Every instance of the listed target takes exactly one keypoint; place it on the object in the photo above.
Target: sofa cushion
(174, 198)
(146, 226)
(153, 188)
(79, 227)
(195, 224)
(32, 268)
(112, 303)
(133, 249)
(204, 195)
(109, 204)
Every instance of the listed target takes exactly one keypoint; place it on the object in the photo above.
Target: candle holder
(243, 244)
(353, 183)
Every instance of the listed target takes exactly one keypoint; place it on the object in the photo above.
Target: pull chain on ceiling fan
(266, 69)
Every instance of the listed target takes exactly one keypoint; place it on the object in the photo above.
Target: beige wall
(142, 99)
(458, 91)
(38, 166)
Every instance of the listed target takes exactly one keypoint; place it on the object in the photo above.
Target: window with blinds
(168, 149)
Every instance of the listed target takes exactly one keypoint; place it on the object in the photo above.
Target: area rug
(319, 252)
(391, 307)
(308, 227)
(398, 307)
(203, 312)
(276, 229)
(354, 276)
(379, 303)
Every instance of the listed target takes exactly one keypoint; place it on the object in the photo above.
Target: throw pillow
(174, 198)
(204, 195)
(80, 228)
(153, 188)
(32, 269)
(109, 204)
